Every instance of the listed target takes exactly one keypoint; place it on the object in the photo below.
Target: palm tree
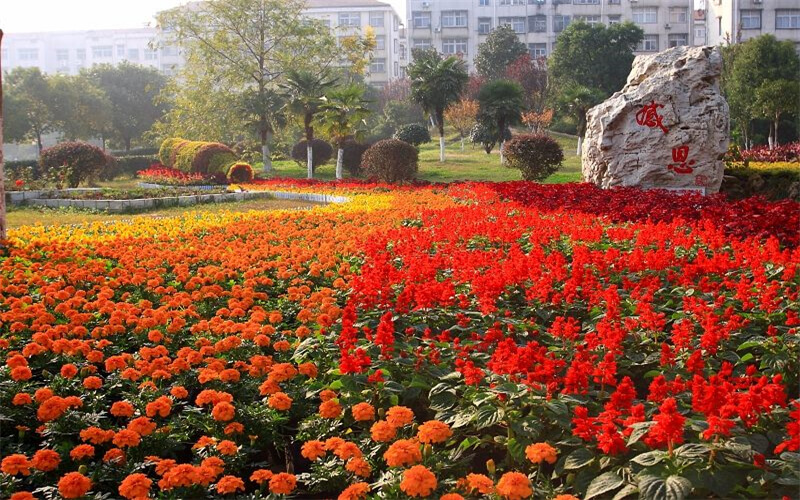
(435, 84)
(341, 114)
(304, 92)
(577, 100)
(501, 101)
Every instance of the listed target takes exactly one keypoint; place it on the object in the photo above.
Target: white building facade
(732, 21)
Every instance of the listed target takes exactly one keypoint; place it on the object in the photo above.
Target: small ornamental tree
(462, 116)
(391, 160)
(485, 133)
(414, 134)
(74, 162)
(536, 156)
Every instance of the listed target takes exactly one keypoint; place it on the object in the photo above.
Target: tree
(501, 102)
(28, 105)
(237, 48)
(751, 65)
(538, 123)
(531, 74)
(594, 56)
(773, 99)
(435, 84)
(80, 109)
(462, 116)
(342, 111)
(304, 95)
(576, 100)
(500, 49)
(132, 91)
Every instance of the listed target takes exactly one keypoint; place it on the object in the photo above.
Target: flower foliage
(427, 341)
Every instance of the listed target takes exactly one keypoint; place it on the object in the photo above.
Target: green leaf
(578, 459)
(652, 488)
(625, 492)
(487, 416)
(650, 458)
(443, 401)
(640, 429)
(678, 487)
(603, 483)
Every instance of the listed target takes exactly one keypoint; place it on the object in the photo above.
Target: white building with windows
(459, 26)
(732, 21)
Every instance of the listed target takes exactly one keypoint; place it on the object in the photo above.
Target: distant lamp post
(3, 232)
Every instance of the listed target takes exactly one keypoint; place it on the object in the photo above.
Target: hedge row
(196, 156)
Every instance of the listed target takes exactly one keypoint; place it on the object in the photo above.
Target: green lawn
(470, 164)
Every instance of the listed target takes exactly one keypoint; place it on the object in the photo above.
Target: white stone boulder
(667, 128)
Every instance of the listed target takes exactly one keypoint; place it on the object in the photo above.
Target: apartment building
(459, 26)
(352, 17)
(67, 52)
(731, 21)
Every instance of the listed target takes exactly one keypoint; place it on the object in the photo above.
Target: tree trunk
(103, 141)
(777, 121)
(579, 150)
(265, 155)
(2, 172)
(310, 160)
(39, 142)
(127, 144)
(501, 126)
(440, 119)
(462, 143)
(339, 163)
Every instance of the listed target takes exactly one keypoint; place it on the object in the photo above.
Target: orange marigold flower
(114, 456)
(179, 476)
(164, 466)
(403, 452)
(16, 464)
(96, 435)
(399, 416)
(92, 382)
(161, 407)
(347, 450)
(21, 373)
(451, 496)
(331, 444)
(480, 483)
(46, 460)
(514, 486)
(22, 398)
(418, 481)
(223, 412)
(308, 369)
(51, 409)
(281, 345)
(135, 486)
(327, 394)
(179, 392)
(330, 409)
(142, 426)
(43, 394)
(356, 491)
(122, 409)
(280, 401)
(541, 452)
(283, 483)
(359, 467)
(363, 412)
(565, 497)
(312, 450)
(261, 475)
(127, 437)
(22, 495)
(434, 431)
(382, 431)
(233, 428)
(227, 447)
(229, 484)
(215, 464)
(82, 451)
(74, 485)
(281, 372)
(69, 370)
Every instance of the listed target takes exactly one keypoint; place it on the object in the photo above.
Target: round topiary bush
(240, 172)
(322, 152)
(414, 134)
(537, 156)
(213, 157)
(391, 160)
(73, 162)
(353, 152)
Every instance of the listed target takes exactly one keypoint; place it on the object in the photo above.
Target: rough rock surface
(667, 128)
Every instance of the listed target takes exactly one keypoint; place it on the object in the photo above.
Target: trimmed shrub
(322, 152)
(537, 156)
(74, 162)
(165, 152)
(240, 172)
(353, 152)
(185, 153)
(391, 160)
(213, 157)
(414, 134)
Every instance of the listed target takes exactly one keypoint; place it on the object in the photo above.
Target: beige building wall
(731, 21)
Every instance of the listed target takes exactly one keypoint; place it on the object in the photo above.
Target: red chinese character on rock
(679, 156)
(649, 117)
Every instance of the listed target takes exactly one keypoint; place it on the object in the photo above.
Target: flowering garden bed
(476, 340)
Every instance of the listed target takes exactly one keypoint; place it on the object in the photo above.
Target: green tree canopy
(501, 102)
(80, 109)
(575, 100)
(342, 115)
(501, 47)
(27, 105)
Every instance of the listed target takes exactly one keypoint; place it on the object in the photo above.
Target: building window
(612, 20)
(787, 19)
(120, 51)
(677, 39)
(149, 55)
(484, 25)
(537, 24)
(420, 43)
(750, 19)
(28, 54)
(483, 3)
(590, 20)
(678, 15)
(454, 19)
(613, 2)
(380, 42)
(402, 52)
(560, 23)
(101, 51)
(537, 50)
(516, 23)
(536, 2)
(557, 2)
(421, 19)
(376, 19)
(62, 55)
(645, 15)
(350, 19)
(378, 65)
(699, 36)
(169, 50)
(586, 2)
(133, 54)
(452, 46)
(512, 2)
(648, 44)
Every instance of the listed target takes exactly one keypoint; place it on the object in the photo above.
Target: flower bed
(159, 174)
(462, 341)
(135, 194)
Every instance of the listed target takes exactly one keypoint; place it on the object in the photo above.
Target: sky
(23, 16)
